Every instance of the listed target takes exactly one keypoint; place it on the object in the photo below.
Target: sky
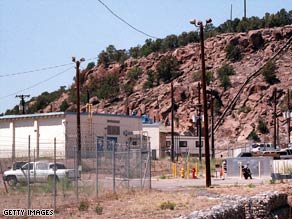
(37, 34)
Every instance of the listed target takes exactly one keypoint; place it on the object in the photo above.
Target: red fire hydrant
(194, 173)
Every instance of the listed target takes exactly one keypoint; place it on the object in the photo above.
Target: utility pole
(22, 102)
(77, 62)
(275, 118)
(231, 13)
(244, 8)
(203, 80)
(199, 122)
(172, 123)
(212, 125)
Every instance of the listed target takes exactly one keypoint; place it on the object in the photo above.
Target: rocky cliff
(254, 102)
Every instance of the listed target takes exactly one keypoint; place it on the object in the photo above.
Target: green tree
(167, 69)
(269, 73)
(233, 53)
(262, 126)
(150, 80)
(134, 73)
(223, 73)
(64, 106)
(253, 136)
(90, 66)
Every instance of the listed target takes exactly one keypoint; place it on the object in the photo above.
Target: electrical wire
(35, 70)
(37, 84)
(124, 21)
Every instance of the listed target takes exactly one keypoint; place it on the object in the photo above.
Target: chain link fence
(107, 167)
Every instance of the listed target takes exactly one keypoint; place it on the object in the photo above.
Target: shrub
(90, 66)
(167, 205)
(64, 105)
(108, 86)
(167, 69)
(98, 209)
(128, 88)
(262, 126)
(233, 53)
(83, 205)
(253, 136)
(150, 80)
(269, 74)
(134, 73)
(244, 109)
(223, 73)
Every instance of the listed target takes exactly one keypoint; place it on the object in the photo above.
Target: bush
(151, 76)
(223, 73)
(245, 109)
(167, 69)
(253, 136)
(108, 86)
(233, 53)
(134, 73)
(262, 126)
(269, 74)
(98, 209)
(83, 205)
(167, 205)
(64, 105)
(90, 66)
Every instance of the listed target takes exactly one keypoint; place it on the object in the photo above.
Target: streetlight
(203, 80)
(77, 62)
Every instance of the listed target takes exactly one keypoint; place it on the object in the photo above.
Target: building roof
(58, 114)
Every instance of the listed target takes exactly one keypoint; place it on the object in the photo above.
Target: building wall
(14, 136)
(191, 141)
(154, 138)
(97, 126)
(43, 128)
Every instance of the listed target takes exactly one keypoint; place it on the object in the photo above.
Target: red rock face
(254, 102)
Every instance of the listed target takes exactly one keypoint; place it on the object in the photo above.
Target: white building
(43, 128)
(160, 141)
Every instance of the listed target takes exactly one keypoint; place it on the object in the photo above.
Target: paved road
(178, 183)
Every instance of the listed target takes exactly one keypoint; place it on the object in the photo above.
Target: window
(26, 166)
(113, 130)
(59, 166)
(41, 166)
(183, 143)
(113, 121)
(168, 144)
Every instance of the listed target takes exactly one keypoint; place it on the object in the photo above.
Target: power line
(41, 69)
(35, 70)
(38, 83)
(124, 21)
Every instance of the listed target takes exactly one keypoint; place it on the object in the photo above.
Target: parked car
(285, 154)
(258, 147)
(244, 154)
(40, 171)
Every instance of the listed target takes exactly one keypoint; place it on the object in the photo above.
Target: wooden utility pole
(22, 102)
(199, 122)
(275, 118)
(244, 8)
(172, 123)
(77, 62)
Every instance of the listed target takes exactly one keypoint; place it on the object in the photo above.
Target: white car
(40, 171)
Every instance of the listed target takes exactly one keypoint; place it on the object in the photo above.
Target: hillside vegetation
(138, 80)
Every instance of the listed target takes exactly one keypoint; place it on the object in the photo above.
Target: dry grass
(140, 204)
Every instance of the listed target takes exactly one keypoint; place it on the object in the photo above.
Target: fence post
(150, 156)
(260, 169)
(54, 188)
(128, 164)
(113, 165)
(96, 170)
(28, 175)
